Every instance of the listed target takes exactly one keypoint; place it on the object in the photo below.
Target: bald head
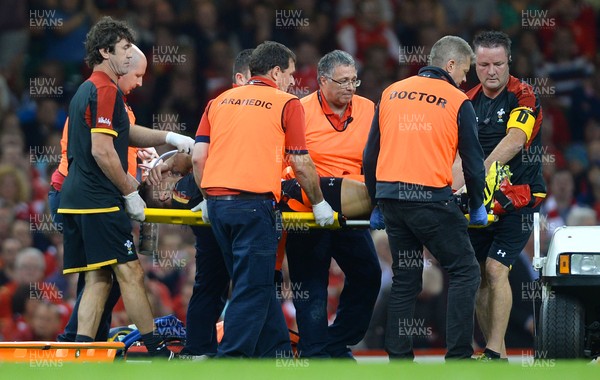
(137, 58)
(137, 69)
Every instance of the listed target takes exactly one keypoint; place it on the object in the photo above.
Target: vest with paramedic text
(247, 140)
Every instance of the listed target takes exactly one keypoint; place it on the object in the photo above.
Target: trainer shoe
(162, 352)
(490, 356)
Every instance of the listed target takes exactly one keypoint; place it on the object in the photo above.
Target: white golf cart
(569, 318)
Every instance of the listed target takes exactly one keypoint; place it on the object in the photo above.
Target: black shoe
(162, 352)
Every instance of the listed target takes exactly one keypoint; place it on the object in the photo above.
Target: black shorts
(503, 240)
(331, 187)
(93, 241)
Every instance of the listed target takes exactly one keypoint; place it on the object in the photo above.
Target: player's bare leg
(355, 199)
(131, 279)
(97, 286)
(499, 304)
(481, 305)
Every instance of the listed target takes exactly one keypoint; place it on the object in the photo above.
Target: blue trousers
(211, 288)
(248, 232)
(309, 257)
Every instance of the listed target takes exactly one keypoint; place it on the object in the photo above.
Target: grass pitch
(289, 369)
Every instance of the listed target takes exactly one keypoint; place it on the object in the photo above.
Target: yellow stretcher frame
(292, 219)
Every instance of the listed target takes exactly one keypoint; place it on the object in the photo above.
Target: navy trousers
(211, 288)
(309, 257)
(248, 232)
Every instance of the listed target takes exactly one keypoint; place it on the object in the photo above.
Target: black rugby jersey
(519, 100)
(98, 106)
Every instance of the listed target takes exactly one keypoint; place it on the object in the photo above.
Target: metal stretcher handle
(365, 223)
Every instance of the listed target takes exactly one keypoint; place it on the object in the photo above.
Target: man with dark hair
(104, 35)
(419, 125)
(248, 128)
(241, 67)
(126, 83)
(98, 196)
(509, 118)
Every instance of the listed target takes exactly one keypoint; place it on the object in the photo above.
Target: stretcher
(47, 354)
(291, 219)
(194, 218)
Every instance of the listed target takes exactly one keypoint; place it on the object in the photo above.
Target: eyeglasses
(346, 84)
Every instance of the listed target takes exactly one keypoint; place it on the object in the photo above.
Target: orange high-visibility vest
(337, 153)
(419, 131)
(247, 140)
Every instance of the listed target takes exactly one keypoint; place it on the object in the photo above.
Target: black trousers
(442, 228)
